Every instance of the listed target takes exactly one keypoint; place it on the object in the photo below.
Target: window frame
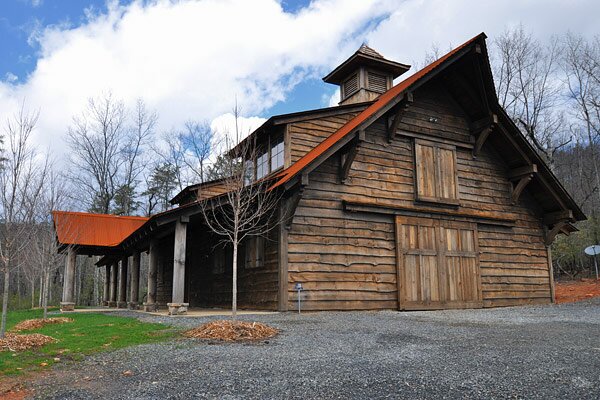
(438, 185)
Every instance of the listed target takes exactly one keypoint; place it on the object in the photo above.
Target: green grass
(90, 333)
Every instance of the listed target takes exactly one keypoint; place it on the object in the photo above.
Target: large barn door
(437, 264)
(418, 242)
(460, 262)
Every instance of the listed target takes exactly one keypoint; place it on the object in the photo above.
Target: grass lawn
(90, 333)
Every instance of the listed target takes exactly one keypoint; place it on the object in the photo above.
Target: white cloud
(415, 25)
(186, 59)
(225, 128)
(193, 59)
(10, 77)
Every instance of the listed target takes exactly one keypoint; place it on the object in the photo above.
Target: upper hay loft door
(437, 264)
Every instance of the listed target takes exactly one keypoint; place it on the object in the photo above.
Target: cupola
(365, 75)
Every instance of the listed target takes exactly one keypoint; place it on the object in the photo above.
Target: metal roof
(98, 230)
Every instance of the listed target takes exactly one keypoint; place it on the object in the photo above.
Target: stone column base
(121, 304)
(178, 308)
(104, 303)
(150, 307)
(112, 303)
(67, 306)
(133, 305)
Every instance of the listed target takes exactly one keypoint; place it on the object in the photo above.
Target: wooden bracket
(348, 158)
(291, 211)
(555, 231)
(392, 125)
(524, 175)
(492, 122)
(559, 220)
(518, 189)
(304, 180)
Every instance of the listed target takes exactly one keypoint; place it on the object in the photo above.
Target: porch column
(150, 304)
(113, 284)
(68, 302)
(134, 281)
(106, 294)
(122, 303)
(177, 305)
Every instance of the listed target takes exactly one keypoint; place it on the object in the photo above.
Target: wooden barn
(418, 196)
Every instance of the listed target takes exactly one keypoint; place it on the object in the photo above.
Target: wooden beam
(518, 173)
(518, 189)
(558, 216)
(479, 79)
(393, 209)
(477, 126)
(402, 108)
(282, 253)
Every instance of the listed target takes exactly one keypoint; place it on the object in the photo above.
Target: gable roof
(94, 230)
(389, 99)
(366, 116)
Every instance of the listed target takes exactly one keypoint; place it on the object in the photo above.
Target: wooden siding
(347, 260)
(305, 135)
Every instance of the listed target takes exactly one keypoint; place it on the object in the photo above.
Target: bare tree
(45, 248)
(247, 209)
(197, 146)
(529, 88)
(133, 156)
(106, 153)
(21, 180)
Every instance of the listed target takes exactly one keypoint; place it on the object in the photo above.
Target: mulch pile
(21, 342)
(31, 324)
(232, 331)
(571, 291)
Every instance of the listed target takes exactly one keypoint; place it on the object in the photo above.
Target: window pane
(277, 156)
(262, 165)
(249, 172)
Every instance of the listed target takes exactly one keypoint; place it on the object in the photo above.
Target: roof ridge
(367, 50)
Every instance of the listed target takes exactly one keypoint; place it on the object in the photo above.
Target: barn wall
(347, 260)
(306, 135)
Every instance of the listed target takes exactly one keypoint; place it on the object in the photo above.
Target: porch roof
(93, 233)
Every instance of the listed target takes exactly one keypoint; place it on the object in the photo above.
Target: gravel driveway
(525, 352)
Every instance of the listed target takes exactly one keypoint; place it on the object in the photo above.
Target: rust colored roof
(85, 229)
(351, 126)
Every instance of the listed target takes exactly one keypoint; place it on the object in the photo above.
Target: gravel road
(536, 352)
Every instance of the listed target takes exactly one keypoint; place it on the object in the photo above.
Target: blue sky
(21, 19)
(193, 59)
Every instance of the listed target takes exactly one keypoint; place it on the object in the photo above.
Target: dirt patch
(31, 324)
(232, 331)
(571, 291)
(18, 342)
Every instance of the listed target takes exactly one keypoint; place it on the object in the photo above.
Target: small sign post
(593, 251)
(298, 287)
